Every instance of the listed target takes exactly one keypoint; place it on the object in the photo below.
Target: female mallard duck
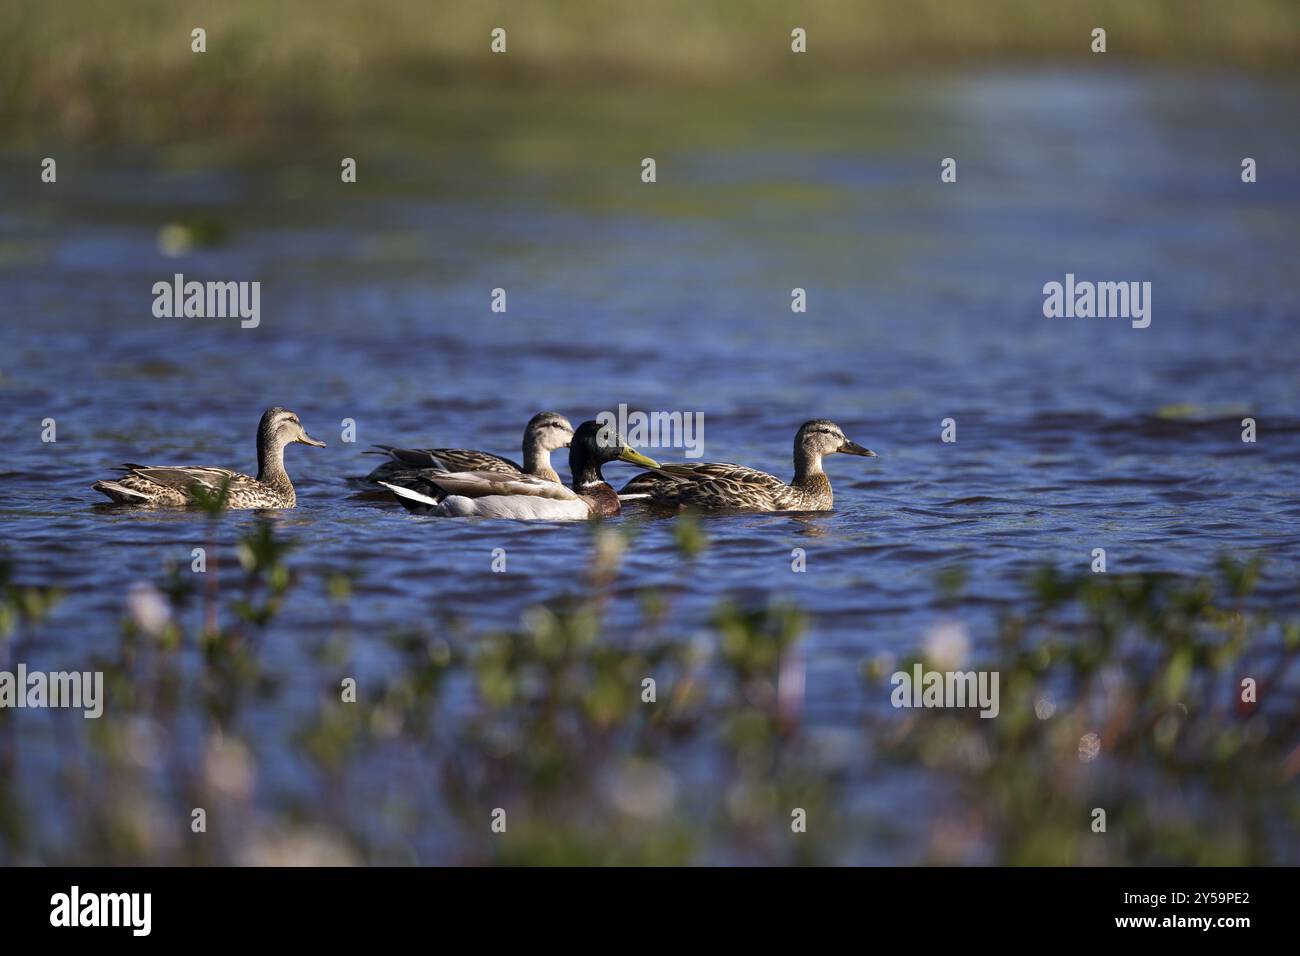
(724, 485)
(545, 432)
(176, 485)
(496, 495)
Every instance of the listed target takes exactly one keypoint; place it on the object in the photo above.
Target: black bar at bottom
(333, 906)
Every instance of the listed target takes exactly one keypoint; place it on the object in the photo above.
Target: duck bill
(308, 440)
(636, 458)
(853, 448)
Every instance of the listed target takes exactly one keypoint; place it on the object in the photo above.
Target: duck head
(547, 431)
(280, 427)
(595, 445)
(821, 437)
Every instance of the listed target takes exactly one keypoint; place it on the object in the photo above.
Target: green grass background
(123, 69)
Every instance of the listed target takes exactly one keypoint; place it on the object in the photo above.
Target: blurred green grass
(1120, 693)
(88, 69)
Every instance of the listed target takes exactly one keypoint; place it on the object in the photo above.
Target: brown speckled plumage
(723, 485)
(174, 486)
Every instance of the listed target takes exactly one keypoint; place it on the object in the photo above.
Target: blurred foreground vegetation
(1117, 692)
(125, 73)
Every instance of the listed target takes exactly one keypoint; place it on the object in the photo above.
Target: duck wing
(715, 485)
(649, 483)
(480, 484)
(448, 459)
(182, 477)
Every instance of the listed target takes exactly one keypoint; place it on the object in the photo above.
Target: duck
(493, 494)
(723, 485)
(545, 432)
(175, 485)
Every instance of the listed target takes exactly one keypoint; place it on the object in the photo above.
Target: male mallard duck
(724, 485)
(496, 495)
(545, 432)
(173, 486)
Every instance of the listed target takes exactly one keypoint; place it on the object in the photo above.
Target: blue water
(924, 303)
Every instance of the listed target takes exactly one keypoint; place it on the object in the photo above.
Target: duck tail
(412, 500)
(120, 493)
